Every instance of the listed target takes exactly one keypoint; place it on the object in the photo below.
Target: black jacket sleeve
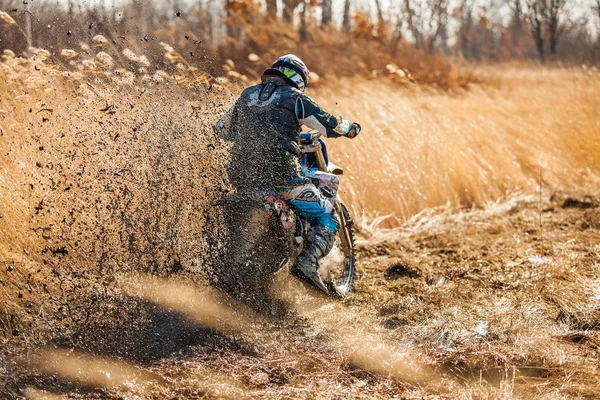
(314, 117)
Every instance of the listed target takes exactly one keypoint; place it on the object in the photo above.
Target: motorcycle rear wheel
(338, 268)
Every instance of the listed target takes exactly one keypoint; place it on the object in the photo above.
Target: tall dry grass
(422, 149)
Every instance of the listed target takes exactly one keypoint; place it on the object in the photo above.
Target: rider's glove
(347, 128)
(354, 130)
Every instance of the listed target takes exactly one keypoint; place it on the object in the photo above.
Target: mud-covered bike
(265, 235)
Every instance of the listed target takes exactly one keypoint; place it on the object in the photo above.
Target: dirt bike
(265, 235)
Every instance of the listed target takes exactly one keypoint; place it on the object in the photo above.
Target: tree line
(469, 29)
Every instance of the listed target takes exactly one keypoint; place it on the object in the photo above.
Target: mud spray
(104, 172)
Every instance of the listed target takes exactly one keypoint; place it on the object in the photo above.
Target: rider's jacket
(264, 125)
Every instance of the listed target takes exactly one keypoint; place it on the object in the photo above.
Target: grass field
(478, 251)
(423, 149)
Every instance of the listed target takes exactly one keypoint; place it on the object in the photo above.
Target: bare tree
(516, 26)
(412, 20)
(439, 25)
(556, 24)
(426, 20)
(381, 26)
(28, 26)
(326, 16)
(380, 18)
(271, 8)
(346, 19)
(229, 28)
(548, 19)
(288, 9)
(597, 7)
(464, 14)
(303, 24)
(397, 35)
(536, 11)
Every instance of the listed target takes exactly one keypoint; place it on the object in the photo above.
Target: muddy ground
(502, 302)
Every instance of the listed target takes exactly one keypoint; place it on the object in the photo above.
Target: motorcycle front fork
(343, 231)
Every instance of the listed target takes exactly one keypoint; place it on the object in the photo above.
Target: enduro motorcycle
(338, 268)
(265, 235)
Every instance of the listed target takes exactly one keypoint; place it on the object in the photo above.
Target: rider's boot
(318, 244)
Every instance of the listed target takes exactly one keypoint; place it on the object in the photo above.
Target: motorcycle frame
(315, 147)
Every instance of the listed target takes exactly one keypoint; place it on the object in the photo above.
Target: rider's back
(266, 128)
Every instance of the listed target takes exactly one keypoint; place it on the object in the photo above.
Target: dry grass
(92, 370)
(202, 305)
(485, 303)
(357, 336)
(492, 293)
(35, 394)
(421, 149)
(334, 54)
(195, 31)
(116, 377)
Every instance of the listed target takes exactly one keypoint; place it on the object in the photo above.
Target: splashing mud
(99, 179)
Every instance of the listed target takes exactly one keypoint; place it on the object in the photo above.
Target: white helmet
(292, 68)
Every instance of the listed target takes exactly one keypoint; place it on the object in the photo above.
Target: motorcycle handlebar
(310, 136)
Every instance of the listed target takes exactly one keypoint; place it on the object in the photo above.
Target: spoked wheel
(338, 268)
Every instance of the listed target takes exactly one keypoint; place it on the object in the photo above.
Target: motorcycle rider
(264, 125)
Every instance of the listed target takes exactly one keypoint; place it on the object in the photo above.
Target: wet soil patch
(401, 270)
(576, 203)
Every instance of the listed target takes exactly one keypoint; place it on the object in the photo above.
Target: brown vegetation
(206, 42)
(486, 287)
(423, 149)
(92, 190)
